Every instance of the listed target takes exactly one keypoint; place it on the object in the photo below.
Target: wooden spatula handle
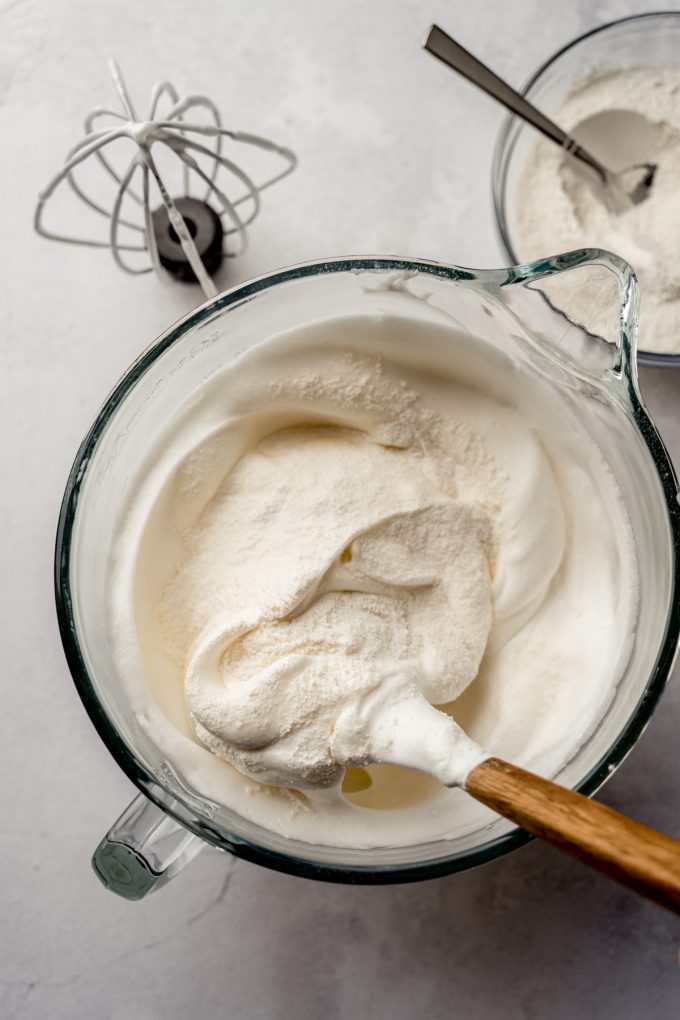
(628, 851)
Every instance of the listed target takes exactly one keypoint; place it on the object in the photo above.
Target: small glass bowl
(651, 40)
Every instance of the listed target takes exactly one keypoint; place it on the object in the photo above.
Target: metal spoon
(624, 188)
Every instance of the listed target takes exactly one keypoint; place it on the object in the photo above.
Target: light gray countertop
(394, 158)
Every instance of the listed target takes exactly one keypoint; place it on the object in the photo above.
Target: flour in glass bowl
(625, 117)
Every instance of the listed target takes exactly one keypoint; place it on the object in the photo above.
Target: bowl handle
(143, 850)
(623, 364)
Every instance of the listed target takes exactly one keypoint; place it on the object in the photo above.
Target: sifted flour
(625, 118)
(340, 578)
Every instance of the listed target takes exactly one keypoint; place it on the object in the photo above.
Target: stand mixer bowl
(510, 311)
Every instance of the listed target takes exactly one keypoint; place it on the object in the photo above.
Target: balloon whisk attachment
(181, 201)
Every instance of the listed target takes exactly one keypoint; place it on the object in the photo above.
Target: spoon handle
(441, 45)
(628, 851)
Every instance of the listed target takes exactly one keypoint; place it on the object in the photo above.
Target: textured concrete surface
(395, 158)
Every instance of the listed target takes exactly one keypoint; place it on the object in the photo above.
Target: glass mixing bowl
(651, 40)
(507, 312)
